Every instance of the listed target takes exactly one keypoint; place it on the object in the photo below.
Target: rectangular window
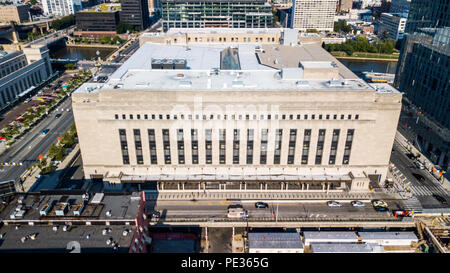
(348, 146)
(277, 154)
(138, 116)
(116, 116)
(152, 145)
(166, 144)
(264, 137)
(124, 146)
(180, 144)
(236, 146)
(319, 150)
(306, 144)
(208, 146)
(138, 144)
(222, 146)
(194, 138)
(250, 139)
(292, 140)
(334, 145)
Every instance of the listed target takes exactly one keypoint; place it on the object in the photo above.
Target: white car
(357, 204)
(420, 165)
(333, 204)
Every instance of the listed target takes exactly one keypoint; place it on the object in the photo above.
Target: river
(375, 66)
(80, 53)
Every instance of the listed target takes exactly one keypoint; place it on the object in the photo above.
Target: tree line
(361, 44)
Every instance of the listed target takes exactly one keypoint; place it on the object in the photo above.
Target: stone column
(287, 186)
(182, 184)
(307, 186)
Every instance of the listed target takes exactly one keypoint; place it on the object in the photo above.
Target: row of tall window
(304, 151)
(239, 117)
(9, 93)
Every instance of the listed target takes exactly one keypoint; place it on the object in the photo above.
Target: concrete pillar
(204, 185)
(240, 186)
(199, 185)
(178, 185)
(287, 186)
(245, 186)
(307, 186)
(265, 184)
(261, 186)
(281, 185)
(42, 32)
(328, 187)
(225, 186)
(323, 186)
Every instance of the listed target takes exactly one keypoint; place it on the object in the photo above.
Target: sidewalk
(426, 162)
(50, 180)
(260, 196)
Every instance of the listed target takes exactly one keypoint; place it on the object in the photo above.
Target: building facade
(426, 13)
(392, 25)
(135, 13)
(241, 117)
(20, 71)
(99, 18)
(400, 6)
(313, 14)
(61, 7)
(344, 5)
(423, 73)
(15, 13)
(216, 13)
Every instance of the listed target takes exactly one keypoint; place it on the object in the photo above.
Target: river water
(371, 66)
(80, 53)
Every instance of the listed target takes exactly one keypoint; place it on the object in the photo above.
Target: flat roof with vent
(225, 67)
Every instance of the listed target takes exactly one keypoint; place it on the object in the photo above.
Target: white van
(237, 213)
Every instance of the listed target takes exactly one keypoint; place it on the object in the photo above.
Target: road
(200, 209)
(27, 149)
(422, 190)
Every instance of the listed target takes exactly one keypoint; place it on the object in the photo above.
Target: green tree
(70, 66)
(64, 22)
(123, 27)
(56, 152)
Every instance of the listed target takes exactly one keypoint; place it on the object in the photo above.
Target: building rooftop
(275, 240)
(222, 31)
(402, 235)
(340, 248)
(311, 235)
(48, 240)
(111, 207)
(305, 67)
(105, 7)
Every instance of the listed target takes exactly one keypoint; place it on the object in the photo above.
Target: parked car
(261, 205)
(58, 116)
(380, 205)
(45, 131)
(357, 204)
(333, 204)
(441, 199)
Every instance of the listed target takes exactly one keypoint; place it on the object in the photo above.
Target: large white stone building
(392, 25)
(20, 71)
(234, 116)
(313, 14)
(61, 7)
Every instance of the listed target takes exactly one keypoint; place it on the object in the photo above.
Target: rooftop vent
(238, 84)
(301, 83)
(336, 83)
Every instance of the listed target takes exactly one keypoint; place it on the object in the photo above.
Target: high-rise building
(100, 18)
(400, 6)
(392, 25)
(15, 13)
(135, 13)
(61, 7)
(313, 14)
(344, 5)
(428, 13)
(216, 13)
(423, 74)
(247, 116)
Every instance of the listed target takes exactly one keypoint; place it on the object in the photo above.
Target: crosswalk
(412, 204)
(427, 191)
